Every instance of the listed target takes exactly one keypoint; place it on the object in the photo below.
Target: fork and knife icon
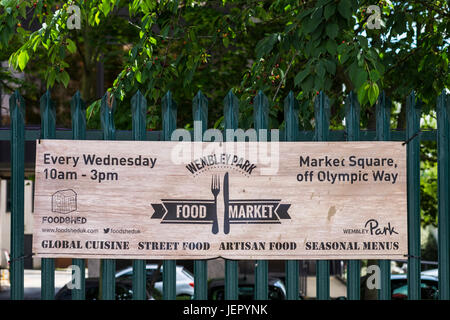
(215, 190)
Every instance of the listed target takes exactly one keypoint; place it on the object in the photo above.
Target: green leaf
(342, 48)
(307, 85)
(305, 13)
(332, 30)
(51, 78)
(64, 78)
(23, 11)
(374, 75)
(62, 52)
(344, 57)
(4, 38)
(97, 18)
(360, 59)
(71, 46)
(218, 122)
(320, 69)
(319, 83)
(331, 47)
(138, 76)
(329, 11)
(361, 77)
(155, 94)
(373, 93)
(319, 50)
(93, 109)
(357, 74)
(328, 84)
(313, 22)
(165, 30)
(344, 8)
(192, 35)
(331, 66)
(310, 25)
(225, 42)
(321, 3)
(363, 41)
(301, 76)
(362, 93)
(35, 42)
(317, 15)
(105, 7)
(352, 70)
(23, 59)
(265, 45)
(380, 67)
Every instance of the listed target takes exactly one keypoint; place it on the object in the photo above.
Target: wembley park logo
(199, 157)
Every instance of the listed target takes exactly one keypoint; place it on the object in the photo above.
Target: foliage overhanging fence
(17, 135)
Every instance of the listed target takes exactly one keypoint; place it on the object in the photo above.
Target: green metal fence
(17, 135)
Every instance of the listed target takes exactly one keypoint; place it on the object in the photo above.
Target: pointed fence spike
(383, 117)
(48, 131)
(261, 122)
(200, 113)
(169, 124)
(108, 266)
(383, 133)
(260, 112)
(352, 116)
(231, 117)
(200, 109)
(413, 112)
(443, 123)
(17, 103)
(48, 116)
(169, 116)
(139, 114)
(352, 128)
(107, 108)
(231, 111)
(17, 141)
(322, 117)
(291, 113)
(78, 112)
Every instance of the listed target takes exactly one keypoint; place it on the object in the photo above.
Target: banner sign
(237, 200)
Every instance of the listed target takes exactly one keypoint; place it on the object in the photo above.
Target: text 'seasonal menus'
(237, 200)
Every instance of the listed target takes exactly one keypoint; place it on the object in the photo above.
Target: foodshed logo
(64, 204)
(64, 201)
(243, 211)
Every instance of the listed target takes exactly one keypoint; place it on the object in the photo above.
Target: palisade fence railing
(17, 135)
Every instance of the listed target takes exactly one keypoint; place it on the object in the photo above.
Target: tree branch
(428, 4)
(402, 60)
(285, 75)
(77, 44)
